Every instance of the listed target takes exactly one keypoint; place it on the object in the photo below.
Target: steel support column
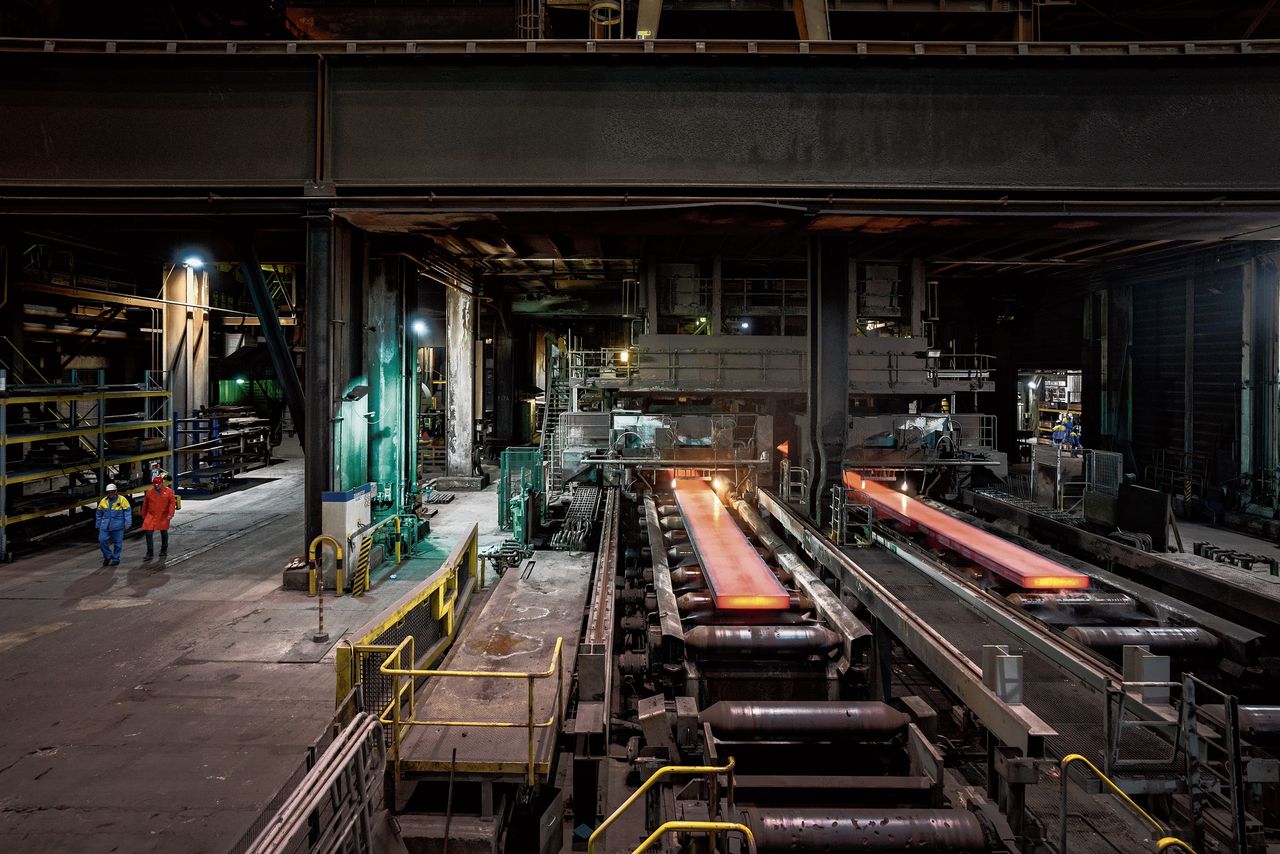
(273, 333)
(829, 272)
(460, 338)
(504, 376)
(318, 465)
(1247, 277)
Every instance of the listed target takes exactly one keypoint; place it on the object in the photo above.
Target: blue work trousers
(111, 542)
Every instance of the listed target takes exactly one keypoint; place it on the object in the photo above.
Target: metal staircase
(557, 403)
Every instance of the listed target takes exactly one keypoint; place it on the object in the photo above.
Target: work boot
(115, 562)
(106, 561)
(149, 556)
(163, 552)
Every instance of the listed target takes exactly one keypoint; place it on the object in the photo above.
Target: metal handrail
(654, 779)
(704, 826)
(1067, 761)
(399, 689)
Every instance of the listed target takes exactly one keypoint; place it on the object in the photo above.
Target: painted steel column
(1247, 277)
(504, 383)
(273, 334)
(715, 323)
(186, 338)
(318, 461)
(829, 289)
(460, 338)
(384, 348)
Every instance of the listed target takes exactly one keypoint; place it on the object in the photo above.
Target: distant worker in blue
(113, 518)
(1059, 432)
(1073, 435)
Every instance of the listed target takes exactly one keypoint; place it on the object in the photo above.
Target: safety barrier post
(321, 635)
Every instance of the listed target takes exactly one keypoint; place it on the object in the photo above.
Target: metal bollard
(321, 635)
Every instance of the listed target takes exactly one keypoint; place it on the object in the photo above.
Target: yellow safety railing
(392, 713)
(699, 826)
(436, 604)
(1160, 829)
(312, 553)
(657, 777)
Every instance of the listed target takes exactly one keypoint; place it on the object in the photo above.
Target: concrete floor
(145, 707)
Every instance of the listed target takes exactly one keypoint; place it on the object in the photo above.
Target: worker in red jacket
(158, 507)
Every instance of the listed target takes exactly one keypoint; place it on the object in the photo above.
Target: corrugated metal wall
(1159, 368)
(1216, 373)
(1159, 351)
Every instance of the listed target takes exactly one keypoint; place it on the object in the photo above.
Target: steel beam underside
(305, 125)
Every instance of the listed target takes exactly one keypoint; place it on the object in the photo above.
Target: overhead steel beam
(786, 118)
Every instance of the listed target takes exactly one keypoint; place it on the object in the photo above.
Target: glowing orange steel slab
(1024, 568)
(736, 575)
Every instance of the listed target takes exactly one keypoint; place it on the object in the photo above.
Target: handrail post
(1062, 814)
(531, 731)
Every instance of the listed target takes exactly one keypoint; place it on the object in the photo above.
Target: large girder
(273, 129)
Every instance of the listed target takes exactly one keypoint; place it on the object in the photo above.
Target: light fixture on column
(193, 262)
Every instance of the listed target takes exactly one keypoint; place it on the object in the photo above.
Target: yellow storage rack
(85, 411)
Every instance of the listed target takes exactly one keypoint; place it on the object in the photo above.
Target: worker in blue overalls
(1073, 435)
(1059, 432)
(113, 518)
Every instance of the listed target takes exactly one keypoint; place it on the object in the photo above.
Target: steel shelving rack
(82, 414)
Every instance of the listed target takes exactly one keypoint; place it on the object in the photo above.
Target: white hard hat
(111, 487)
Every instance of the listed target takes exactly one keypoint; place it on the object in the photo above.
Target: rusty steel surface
(822, 830)
(1024, 568)
(736, 575)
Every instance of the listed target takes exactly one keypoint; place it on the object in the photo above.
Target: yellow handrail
(398, 690)
(705, 826)
(1067, 761)
(654, 779)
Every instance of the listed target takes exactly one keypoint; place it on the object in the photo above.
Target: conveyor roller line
(769, 640)
(1008, 560)
(1161, 640)
(807, 718)
(737, 576)
(825, 830)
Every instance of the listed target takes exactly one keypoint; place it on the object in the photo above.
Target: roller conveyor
(735, 574)
(1008, 560)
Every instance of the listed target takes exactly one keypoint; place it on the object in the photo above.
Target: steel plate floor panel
(516, 631)
(1075, 712)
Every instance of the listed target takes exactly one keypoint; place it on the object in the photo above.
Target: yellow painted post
(311, 582)
(397, 540)
(531, 731)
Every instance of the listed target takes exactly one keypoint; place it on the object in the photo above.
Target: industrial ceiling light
(624, 356)
(193, 262)
(746, 324)
(240, 380)
(419, 327)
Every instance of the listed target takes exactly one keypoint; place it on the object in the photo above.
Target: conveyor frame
(1013, 724)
